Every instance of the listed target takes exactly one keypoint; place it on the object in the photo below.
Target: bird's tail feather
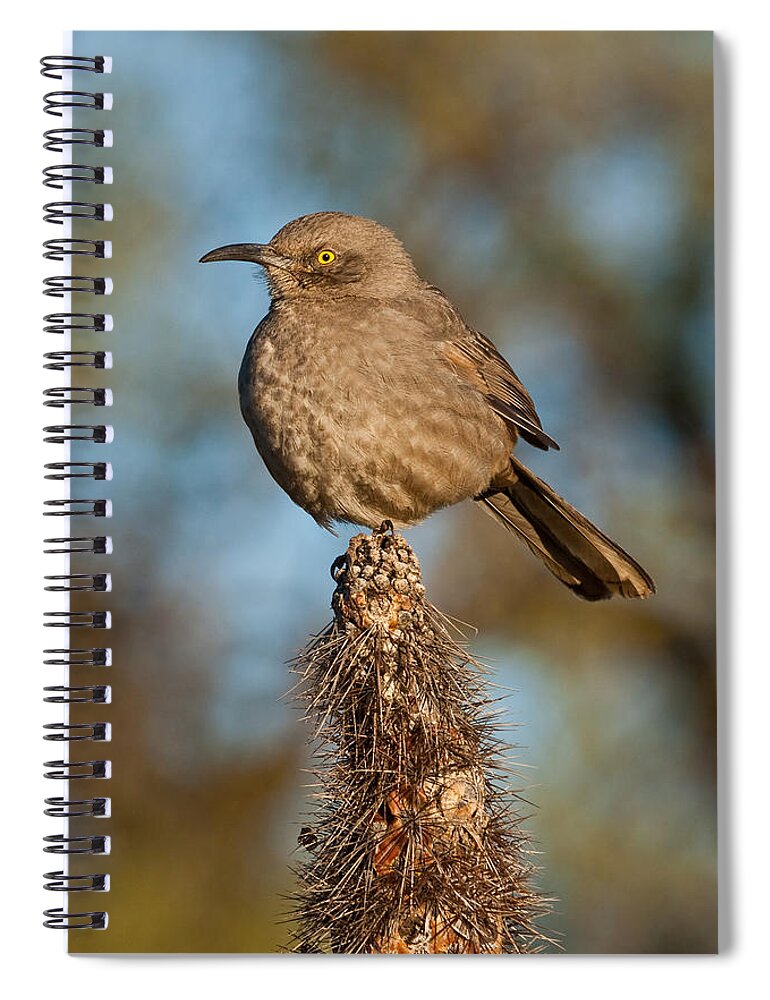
(573, 549)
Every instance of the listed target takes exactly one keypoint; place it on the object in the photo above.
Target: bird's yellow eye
(326, 257)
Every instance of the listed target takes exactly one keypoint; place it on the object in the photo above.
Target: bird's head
(329, 254)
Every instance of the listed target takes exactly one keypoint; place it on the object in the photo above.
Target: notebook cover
(558, 187)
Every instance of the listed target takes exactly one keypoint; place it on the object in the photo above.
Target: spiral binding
(65, 177)
(54, 66)
(59, 249)
(57, 138)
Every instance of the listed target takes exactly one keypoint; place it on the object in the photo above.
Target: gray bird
(370, 399)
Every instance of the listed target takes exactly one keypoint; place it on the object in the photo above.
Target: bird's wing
(476, 359)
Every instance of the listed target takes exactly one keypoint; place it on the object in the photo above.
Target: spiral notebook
(474, 735)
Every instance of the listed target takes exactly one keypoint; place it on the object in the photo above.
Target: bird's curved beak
(252, 253)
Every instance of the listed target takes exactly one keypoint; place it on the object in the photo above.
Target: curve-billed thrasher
(371, 400)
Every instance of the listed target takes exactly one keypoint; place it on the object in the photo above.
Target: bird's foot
(338, 567)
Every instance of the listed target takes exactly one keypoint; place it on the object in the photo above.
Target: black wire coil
(71, 508)
(58, 211)
(95, 657)
(66, 284)
(59, 433)
(61, 882)
(78, 770)
(59, 361)
(60, 174)
(67, 395)
(91, 470)
(76, 210)
(54, 66)
(57, 101)
(59, 807)
(58, 920)
(57, 138)
(99, 583)
(64, 323)
(84, 694)
(59, 249)
(98, 545)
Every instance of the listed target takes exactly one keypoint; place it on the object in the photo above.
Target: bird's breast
(360, 422)
(298, 399)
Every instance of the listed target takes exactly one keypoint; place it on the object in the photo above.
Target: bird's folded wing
(476, 359)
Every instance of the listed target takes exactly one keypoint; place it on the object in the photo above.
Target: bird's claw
(338, 567)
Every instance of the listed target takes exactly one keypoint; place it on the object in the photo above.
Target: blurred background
(558, 187)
